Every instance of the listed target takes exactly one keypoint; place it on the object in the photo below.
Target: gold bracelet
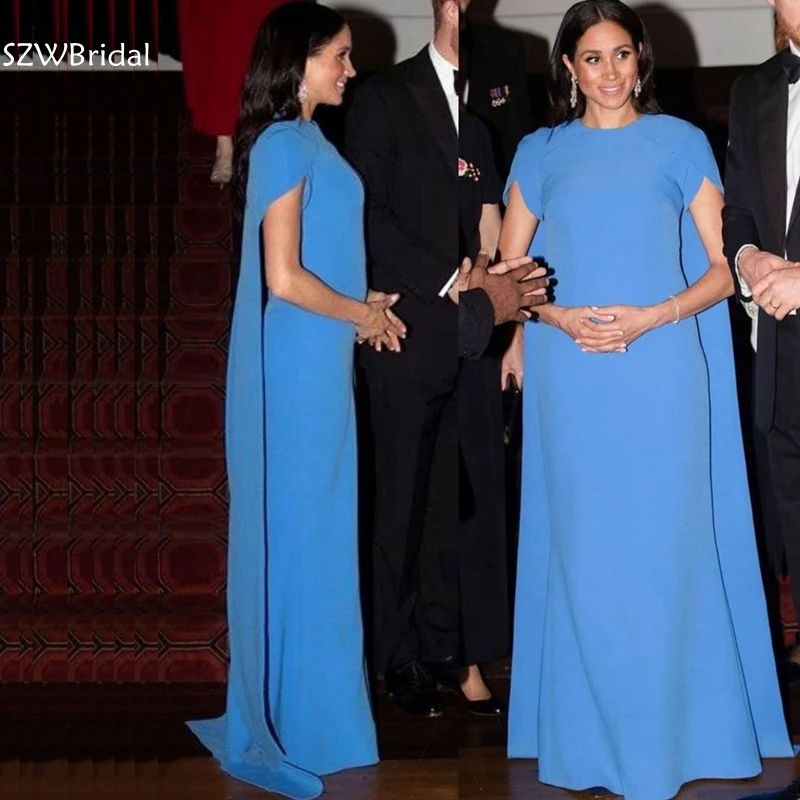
(677, 309)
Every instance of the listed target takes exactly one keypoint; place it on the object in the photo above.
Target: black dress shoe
(413, 690)
(491, 707)
(790, 792)
(445, 673)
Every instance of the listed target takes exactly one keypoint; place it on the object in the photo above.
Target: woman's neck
(596, 116)
(307, 110)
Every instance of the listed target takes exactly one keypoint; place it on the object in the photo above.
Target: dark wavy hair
(576, 22)
(287, 37)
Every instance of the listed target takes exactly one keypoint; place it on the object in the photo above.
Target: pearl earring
(573, 95)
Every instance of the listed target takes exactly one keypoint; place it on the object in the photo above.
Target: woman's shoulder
(541, 140)
(545, 141)
(545, 135)
(686, 144)
(294, 135)
(675, 132)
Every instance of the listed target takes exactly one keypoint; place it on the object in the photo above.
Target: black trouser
(483, 546)
(415, 545)
(783, 446)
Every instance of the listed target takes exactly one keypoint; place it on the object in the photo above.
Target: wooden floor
(130, 743)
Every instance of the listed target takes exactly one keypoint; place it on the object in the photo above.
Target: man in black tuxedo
(495, 84)
(762, 244)
(402, 137)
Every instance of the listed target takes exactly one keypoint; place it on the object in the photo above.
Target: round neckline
(611, 130)
(295, 121)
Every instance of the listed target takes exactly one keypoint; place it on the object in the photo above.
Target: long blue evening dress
(642, 656)
(297, 701)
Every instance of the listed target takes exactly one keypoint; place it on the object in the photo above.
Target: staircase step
(112, 639)
(114, 558)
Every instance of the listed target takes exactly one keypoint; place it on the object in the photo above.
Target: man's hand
(755, 265)
(503, 267)
(778, 292)
(513, 286)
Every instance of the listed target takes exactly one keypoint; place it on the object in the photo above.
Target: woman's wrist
(549, 313)
(359, 313)
(666, 312)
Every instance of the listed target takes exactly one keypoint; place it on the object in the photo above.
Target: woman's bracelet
(677, 309)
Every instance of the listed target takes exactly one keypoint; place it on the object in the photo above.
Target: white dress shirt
(792, 180)
(445, 71)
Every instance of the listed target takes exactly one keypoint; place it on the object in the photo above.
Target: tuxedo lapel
(795, 209)
(429, 95)
(773, 111)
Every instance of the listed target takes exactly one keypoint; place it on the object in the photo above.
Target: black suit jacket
(475, 323)
(496, 65)
(401, 138)
(755, 199)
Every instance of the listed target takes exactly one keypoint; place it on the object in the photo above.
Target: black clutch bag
(511, 402)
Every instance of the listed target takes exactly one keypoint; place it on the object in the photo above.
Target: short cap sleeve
(698, 164)
(525, 170)
(279, 160)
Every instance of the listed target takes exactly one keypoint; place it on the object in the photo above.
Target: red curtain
(118, 14)
(217, 38)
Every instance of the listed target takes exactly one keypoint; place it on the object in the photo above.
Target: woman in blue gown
(642, 657)
(297, 701)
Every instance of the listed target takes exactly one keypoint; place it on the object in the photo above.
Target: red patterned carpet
(117, 281)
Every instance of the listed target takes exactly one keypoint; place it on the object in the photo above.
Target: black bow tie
(457, 85)
(790, 64)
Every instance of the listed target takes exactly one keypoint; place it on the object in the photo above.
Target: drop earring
(302, 93)
(573, 95)
(637, 90)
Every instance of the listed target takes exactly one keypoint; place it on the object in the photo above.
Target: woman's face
(328, 71)
(606, 65)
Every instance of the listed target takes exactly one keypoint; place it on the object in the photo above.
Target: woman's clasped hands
(380, 326)
(611, 329)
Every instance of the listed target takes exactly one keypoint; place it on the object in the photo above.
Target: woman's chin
(613, 103)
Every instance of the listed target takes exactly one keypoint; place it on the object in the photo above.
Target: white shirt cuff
(751, 308)
(745, 289)
(449, 285)
(749, 304)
